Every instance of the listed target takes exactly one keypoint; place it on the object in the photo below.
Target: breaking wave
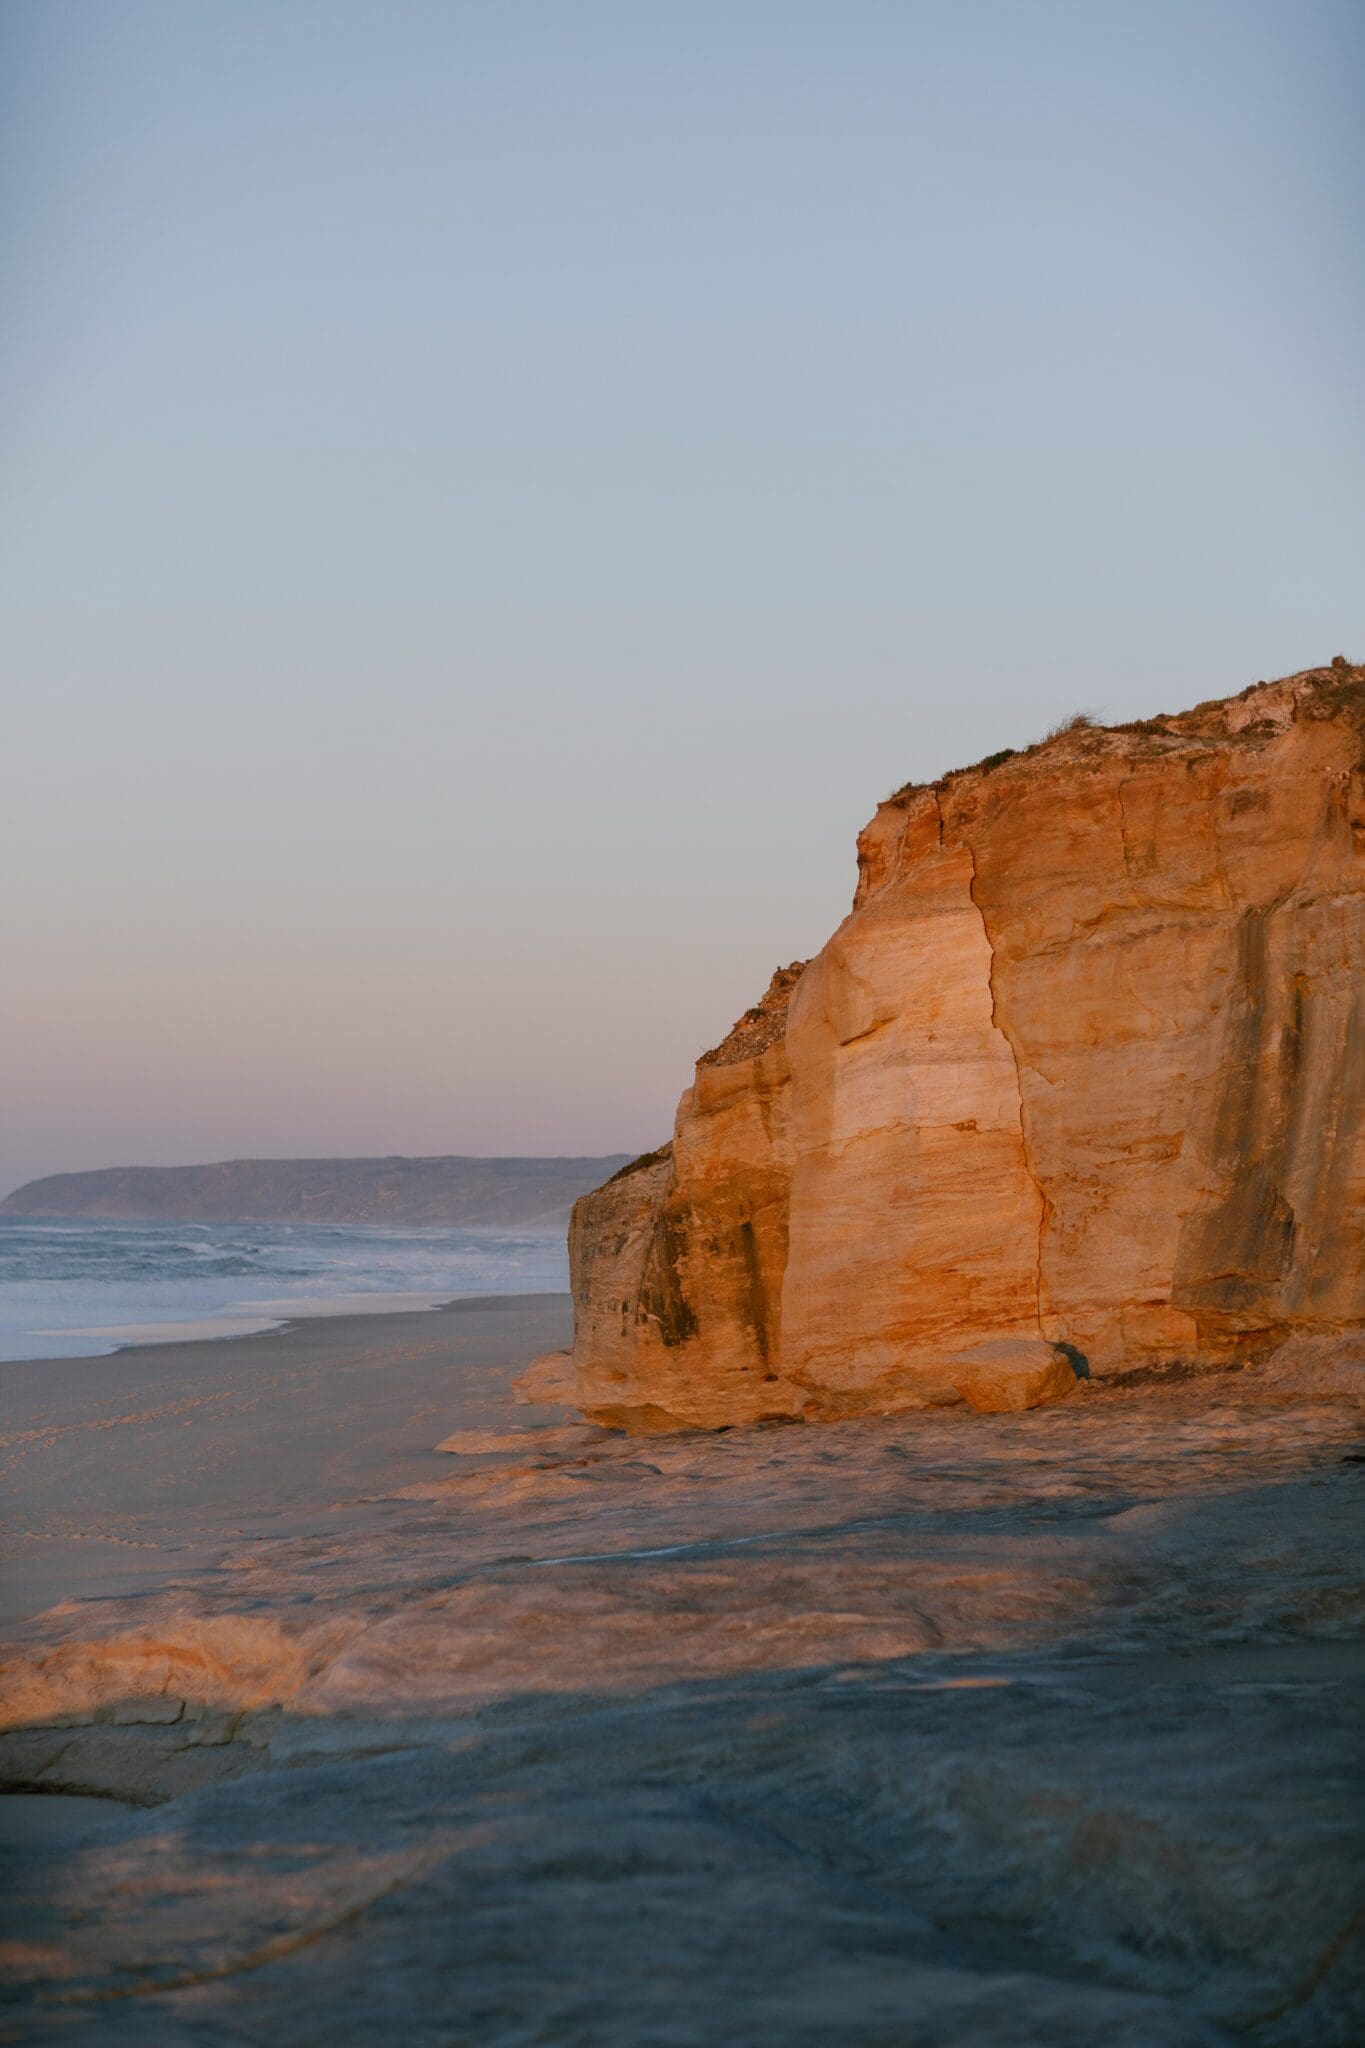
(79, 1288)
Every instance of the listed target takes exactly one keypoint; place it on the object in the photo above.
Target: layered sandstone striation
(1083, 1068)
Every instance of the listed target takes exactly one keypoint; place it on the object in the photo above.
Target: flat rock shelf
(1026, 1728)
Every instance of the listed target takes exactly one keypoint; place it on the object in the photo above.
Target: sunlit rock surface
(1011, 1372)
(1085, 1065)
(945, 1728)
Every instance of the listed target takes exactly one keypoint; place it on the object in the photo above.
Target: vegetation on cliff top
(655, 1158)
(1338, 686)
(761, 1025)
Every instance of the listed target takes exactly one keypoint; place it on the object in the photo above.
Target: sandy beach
(124, 1472)
(944, 1728)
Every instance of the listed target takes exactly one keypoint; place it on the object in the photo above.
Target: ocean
(77, 1288)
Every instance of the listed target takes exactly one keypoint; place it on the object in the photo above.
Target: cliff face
(1085, 1064)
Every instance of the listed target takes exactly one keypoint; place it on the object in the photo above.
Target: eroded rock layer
(1085, 1065)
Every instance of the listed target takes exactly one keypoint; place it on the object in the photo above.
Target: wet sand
(119, 1472)
(938, 1729)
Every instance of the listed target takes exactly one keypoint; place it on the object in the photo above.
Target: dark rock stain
(1245, 1258)
(758, 1306)
(661, 1299)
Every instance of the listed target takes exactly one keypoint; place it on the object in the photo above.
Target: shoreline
(93, 1289)
(123, 1471)
(346, 1323)
(266, 1319)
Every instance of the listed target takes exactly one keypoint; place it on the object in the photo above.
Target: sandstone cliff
(1084, 1065)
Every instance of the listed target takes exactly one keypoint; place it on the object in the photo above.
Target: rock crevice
(998, 1021)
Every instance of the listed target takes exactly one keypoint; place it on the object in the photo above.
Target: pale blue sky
(493, 495)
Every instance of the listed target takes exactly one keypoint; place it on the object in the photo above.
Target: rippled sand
(949, 1729)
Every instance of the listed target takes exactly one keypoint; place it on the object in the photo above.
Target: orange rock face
(1085, 1065)
(1009, 1373)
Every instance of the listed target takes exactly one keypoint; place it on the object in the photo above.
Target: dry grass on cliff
(1079, 721)
(761, 1025)
(645, 1159)
(1336, 688)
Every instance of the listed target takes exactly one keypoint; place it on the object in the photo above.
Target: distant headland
(397, 1190)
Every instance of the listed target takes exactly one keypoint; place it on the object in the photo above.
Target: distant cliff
(511, 1192)
(1083, 1068)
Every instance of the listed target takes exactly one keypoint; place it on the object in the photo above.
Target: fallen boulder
(547, 1382)
(1011, 1373)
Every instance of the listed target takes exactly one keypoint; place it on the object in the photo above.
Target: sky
(492, 496)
